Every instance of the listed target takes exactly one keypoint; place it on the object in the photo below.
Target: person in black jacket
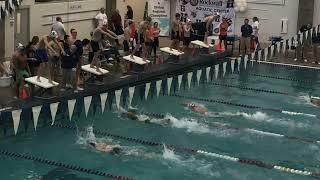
(246, 31)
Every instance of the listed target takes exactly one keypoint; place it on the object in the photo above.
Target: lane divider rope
(250, 130)
(250, 89)
(280, 78)
(63, 165)
(253, 162)
(290, 66)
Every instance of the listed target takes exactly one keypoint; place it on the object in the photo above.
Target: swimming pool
(262, 114)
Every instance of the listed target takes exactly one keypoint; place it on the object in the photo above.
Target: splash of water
(189, 124)
(169, 154)
(298, 114)
(86, 136)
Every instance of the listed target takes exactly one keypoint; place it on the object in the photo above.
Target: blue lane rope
(225, 126)
(281, 78)
(287, 66)
(252, 162)
(63, 165)
(251, 89)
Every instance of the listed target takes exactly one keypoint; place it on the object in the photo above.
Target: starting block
(172, 52)
(136, 60)
(94, 71)
(44, 86)
(201, 44)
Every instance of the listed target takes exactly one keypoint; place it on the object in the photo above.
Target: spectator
(223, 33)
(246, 31)
(187, 29)
(74, 35)
(149, 40)
(127, 45)
(155, 31)
(129, 14)
(101, 17)
(69, 64)
(116, 22)
(33, 62)
(255, 31)
(59, 28)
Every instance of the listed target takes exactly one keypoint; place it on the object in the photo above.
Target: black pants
(155, 45)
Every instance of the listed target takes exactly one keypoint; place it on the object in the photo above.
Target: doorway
(2, 43)
(21, 30)
(306, 9)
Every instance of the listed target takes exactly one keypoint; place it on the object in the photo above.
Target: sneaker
(69, 86)
(79, 88)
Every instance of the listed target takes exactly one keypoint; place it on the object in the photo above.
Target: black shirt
(129, 14)
(246, 30)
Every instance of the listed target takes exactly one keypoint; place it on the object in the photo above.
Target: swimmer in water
(133, 115)
(195, 107)
(104, 147)
(315, 100)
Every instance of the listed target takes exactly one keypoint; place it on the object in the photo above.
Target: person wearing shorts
(155, 32)
(187, 28)
(175, 32)
(223, 33)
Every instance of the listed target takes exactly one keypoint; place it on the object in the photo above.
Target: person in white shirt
(59, 28)
(101, 17)
(255, 31)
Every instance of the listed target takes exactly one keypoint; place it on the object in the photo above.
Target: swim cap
(92, 144)
(105, 22)
(116, 150)
(20, 46)
(53, 34)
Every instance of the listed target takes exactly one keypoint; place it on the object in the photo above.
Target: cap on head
(53, 34)
(20, 47)
(105, 22)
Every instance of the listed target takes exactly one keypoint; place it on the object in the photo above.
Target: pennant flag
(239, 62)
(272, 51)
(131, 93)
(232, 65)
(103, 99)
(146, 91)
(179, 81)
(252, 55)
(284, 46)
(259, 55)
(16, 120)
(36, 112)
(54, 109)
(118, 96)
(71, 104)
(208, 69)
(199, 73)
(224, 65)
(290, 43)
(169, 82)
(158, 86)
(190, 74)
(278, 47)
(87, 104)
(311, 33)
(265, 54)
(307, 34)
(245, 61)
(216, 71)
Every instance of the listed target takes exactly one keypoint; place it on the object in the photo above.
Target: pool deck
(117, 80)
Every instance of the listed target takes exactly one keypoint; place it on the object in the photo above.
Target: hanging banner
(71, 104)
(208, 69)
(232, 65)
(159, 11)
(36, 113)
(224, 65)
(179, 81)
(169, 82)
(197, 10)
(53, 110)
(16, 120)
(146, 91)
(190, 74)
(158, 87)
(216, 71)
(118, 96)
(199, 73)
(87, 104)
(245, 61)
(103, 99)
(131, 93)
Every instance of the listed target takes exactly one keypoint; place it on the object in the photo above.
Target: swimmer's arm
(61, 49)
(45, 40)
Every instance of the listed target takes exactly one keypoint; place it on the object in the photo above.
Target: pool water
(187, 129)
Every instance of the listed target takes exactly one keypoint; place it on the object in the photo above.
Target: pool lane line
(241, 105)
(62, 165)
(252, 162)
(250, 130)
(291, 66)
(282, 78)
(250, 89)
